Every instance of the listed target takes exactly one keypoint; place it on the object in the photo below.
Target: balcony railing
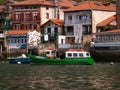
(66, 46)
(88, 21)
(26, 19)
(69, 33)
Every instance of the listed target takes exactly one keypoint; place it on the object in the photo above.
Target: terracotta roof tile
(107, 21)
(109, 31)
(55, 21)
(62, 3)
(34, 2)
(58, 22)
(17, 32)
(65, 3)
(92, 5)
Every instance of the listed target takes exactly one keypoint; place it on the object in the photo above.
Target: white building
(82, 20)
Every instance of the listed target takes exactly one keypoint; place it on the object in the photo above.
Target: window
(11, 41)
(87, 29)
(18, 40)
(18, 27)
(35, 15)
(15, 40)
(47, 15)
(48, 30)
(80, 55)
(25, 40)
(21, 40)
(26, 7)
(27, 16)
(18, 16)
(70, 30)
(47, 52)
(69, 54)
(87, 54)
(56, 30)
(69, 17)
(74, 54)
(78, 17)
(35, 7)
(47, 8)
(58, 16)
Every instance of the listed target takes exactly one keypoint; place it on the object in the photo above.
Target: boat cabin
(50, 53)
(71, 53)
(77, 54)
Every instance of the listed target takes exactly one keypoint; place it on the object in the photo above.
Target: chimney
(118, 13)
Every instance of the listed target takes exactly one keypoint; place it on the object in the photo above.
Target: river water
(100, 76)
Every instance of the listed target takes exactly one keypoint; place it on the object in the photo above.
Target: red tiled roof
(17, 32)
(110, 31)
(34, 2)
(63, 3)
(113, 31)
(55, 21)
(107, 21)
(58, 22)
(92, 5)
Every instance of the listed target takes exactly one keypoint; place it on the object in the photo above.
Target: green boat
(72, 56)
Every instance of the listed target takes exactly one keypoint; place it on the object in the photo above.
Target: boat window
(47, 52)
(87, 54)
(75, 55)
(80, 55)
(69, 54)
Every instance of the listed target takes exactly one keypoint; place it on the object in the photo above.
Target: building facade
(31, 14)
(82, 20)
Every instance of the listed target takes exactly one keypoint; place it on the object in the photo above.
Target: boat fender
(18, 62)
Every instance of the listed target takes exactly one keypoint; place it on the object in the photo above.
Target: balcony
(27, 20)
(86, 21)
(67, 46)
(69, 33)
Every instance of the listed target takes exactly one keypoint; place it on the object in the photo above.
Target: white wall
(51, 12)
(43, 12)
(99, 16)
(60, 38)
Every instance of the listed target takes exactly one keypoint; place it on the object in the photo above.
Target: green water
(100, 76)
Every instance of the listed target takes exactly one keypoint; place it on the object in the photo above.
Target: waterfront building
(31, 14)
(16, 42)
(1, 31)
(53, 28)
(15, 39)
(107, 24)
(81, 21)
(1, 16)
(107, 40)
(5, 21)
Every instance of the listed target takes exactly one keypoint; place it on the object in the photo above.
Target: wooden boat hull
(45, 60)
